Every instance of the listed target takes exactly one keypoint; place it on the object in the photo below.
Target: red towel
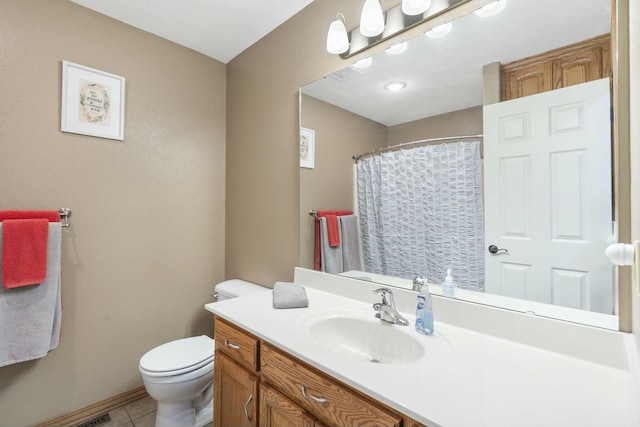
(332, 230)
(24, 251)
(51, 216)
(22, 257)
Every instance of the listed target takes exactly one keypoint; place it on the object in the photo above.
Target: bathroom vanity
(258, 384)
(334, 363)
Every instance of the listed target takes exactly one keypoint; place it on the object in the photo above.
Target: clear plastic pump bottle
(449, 286)
(424, 312)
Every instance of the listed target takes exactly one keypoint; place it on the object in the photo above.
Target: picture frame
(307, 147)
(92, 102)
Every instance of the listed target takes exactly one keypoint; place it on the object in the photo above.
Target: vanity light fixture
(439, 31)
(372, 19)
(363, 63)
(337, 37)
(415, 7)
(491, 9)
(378, 26)
(397, 48)
(395, 86)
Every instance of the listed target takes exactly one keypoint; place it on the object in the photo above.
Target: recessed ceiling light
(397, 48)
(491, 9)
(363, 63)
(395, 86)
(439, 31)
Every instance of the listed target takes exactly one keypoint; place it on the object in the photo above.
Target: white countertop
(465, 379)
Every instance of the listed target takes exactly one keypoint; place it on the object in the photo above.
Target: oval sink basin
(365, 338)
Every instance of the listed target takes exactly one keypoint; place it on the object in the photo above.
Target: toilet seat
(178, 357)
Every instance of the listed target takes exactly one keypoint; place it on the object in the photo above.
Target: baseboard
(89, 412)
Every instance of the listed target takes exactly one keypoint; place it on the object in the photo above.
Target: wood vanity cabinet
(278, 411)
(235, 387)
(570, 65)
(328, 400)
(257, 384)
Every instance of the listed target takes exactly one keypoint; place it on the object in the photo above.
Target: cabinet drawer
(326, 399)
(238, 344)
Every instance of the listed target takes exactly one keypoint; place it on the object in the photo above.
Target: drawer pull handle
(233, 346)
(309, 396)
(246, 414)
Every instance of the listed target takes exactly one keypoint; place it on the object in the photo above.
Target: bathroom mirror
(448, 78)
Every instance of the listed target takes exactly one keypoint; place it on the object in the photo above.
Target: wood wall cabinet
(256, 383)
(569, 65)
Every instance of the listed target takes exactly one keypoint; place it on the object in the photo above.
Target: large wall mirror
(537, 74)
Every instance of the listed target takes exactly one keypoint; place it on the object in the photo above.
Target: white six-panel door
(548, 197)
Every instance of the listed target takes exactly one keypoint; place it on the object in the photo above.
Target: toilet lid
(179, 356)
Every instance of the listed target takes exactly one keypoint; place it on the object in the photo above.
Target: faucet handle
(418, 283)
(385, 292)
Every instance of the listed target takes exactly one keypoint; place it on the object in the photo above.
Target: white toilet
(179, 374)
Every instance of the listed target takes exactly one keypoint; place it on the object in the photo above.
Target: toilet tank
(236, 288)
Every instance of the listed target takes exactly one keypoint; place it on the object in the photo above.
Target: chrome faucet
(418, 283)
(386, 310)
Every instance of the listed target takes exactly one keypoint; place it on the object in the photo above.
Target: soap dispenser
(449, 286)
(424, 311)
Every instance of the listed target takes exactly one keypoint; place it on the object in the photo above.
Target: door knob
(495, 250)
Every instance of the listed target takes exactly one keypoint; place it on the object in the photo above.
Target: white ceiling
(221, 29)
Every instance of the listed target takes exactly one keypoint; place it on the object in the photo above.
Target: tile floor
(141, 413)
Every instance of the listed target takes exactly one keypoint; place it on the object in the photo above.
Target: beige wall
(461, 122)
(146, 243)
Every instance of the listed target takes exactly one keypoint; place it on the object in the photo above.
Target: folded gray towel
(289, 295)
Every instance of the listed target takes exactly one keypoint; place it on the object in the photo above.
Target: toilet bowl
(179, 374)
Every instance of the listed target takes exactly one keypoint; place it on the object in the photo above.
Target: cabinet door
(581, 66)
(570, 65)
(529, 80)
(235, 394)
(278, 411)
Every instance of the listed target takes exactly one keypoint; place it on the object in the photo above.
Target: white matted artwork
(92, 102)
(307, 147)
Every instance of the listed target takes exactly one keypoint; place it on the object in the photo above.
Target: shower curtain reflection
(421, 213)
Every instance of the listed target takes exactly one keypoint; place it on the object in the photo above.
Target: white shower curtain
(421, 213)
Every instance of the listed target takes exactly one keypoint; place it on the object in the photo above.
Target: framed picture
(307, 147)
(92, 102)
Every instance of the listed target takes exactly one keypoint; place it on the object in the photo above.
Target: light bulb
(337, 38)
(415, 7)
(371, 19)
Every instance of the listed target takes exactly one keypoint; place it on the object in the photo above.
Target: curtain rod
(421, 141)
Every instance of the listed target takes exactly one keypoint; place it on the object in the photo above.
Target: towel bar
(65, 214)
